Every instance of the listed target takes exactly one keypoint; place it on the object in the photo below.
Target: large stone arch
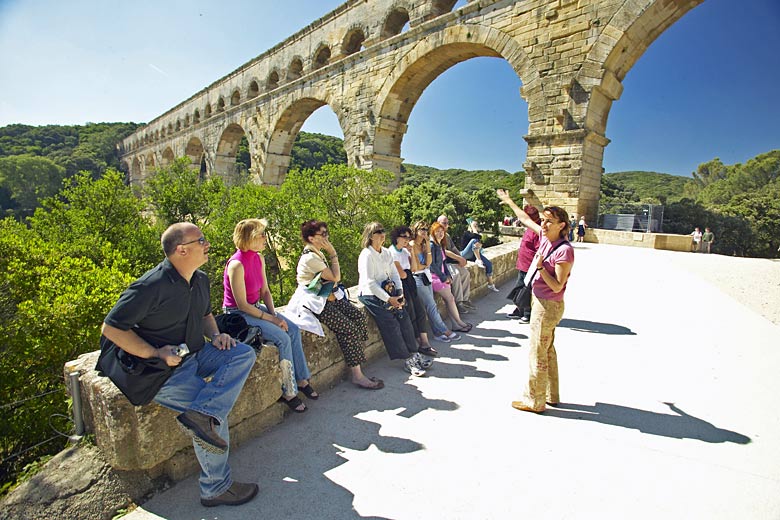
(424, 63)
(196, 152)
(285, 130)
(626, 37)
(167, 157)
(227, 148)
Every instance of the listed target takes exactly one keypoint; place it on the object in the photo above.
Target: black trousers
(414, 306)
(394, 327)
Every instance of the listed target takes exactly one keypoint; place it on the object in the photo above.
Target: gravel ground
(754, 282)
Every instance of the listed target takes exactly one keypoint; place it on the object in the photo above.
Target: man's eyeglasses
(379, 232)
(202, 241)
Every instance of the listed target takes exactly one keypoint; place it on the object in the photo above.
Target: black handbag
(139, 379)
(236, 327)
(519, 295)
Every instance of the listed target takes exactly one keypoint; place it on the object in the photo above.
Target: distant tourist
(572, 225)
(554, 262)
(581, 227)
(707, 238)
(696, 241)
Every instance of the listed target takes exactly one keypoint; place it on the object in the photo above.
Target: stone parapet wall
(147, 438)
(665, 241)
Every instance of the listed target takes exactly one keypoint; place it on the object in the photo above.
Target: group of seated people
(396, 286)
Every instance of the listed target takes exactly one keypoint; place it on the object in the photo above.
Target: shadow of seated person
(679, 426)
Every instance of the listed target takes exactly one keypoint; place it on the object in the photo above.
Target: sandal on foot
(378, 384)
(428, 351)
(309, 391)
(467, 328)
(293, 404)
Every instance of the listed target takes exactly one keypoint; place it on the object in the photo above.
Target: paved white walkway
(671, 410)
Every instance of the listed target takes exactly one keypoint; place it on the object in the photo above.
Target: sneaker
(454, 336)
(237, 494)
(525, 319)
(202, 429)
(423, 362)
(411, 366)
(462, 309)
(514, 314)
(480, 263)
(492, 287)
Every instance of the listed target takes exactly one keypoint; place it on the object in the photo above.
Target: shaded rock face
(78, 483)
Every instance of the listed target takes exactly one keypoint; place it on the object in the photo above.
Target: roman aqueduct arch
(571, 56)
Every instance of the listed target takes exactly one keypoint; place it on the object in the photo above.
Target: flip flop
(467, 328)
(378, 384)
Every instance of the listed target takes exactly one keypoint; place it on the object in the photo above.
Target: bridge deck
(670, 394)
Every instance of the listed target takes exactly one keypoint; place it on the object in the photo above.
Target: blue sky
(707, 87)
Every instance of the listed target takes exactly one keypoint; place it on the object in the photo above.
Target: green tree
(176, 193)
(28, 179)
(97, 219)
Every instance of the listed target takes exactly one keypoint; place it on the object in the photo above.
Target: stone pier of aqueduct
(370, 61)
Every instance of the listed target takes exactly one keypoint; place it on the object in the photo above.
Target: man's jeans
(187, 390)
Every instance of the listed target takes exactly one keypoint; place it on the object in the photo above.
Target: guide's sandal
(293, 404)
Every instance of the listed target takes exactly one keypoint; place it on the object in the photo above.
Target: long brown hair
(561, 215)
(432, 232)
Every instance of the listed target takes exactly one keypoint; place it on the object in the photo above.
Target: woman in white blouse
(377, 274)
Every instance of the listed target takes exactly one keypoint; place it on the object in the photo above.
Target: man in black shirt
(170, 305)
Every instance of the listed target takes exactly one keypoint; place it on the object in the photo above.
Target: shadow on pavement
(595, 326)
(680, 426)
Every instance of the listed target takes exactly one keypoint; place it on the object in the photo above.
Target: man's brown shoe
(238, 493)
(202, 429)
(519, 405)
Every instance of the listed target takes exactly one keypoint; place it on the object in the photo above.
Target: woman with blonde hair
(420, 263)
(381, 292)
(442, 280)
(245, 287)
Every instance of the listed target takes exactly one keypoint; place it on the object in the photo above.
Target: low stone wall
(665, 241)
(147, 438)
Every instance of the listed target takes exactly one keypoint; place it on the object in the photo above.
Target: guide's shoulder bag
(139, 379)
(520, 297)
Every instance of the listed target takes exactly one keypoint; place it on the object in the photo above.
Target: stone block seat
(146, 438)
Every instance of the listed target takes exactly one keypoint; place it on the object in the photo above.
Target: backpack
(236, 326)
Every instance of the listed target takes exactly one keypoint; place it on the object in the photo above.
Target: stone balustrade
(146, 438)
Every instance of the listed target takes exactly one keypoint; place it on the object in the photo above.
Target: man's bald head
(175, 235)
(444, 221)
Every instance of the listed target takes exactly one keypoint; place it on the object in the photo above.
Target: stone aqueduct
(570, 55)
